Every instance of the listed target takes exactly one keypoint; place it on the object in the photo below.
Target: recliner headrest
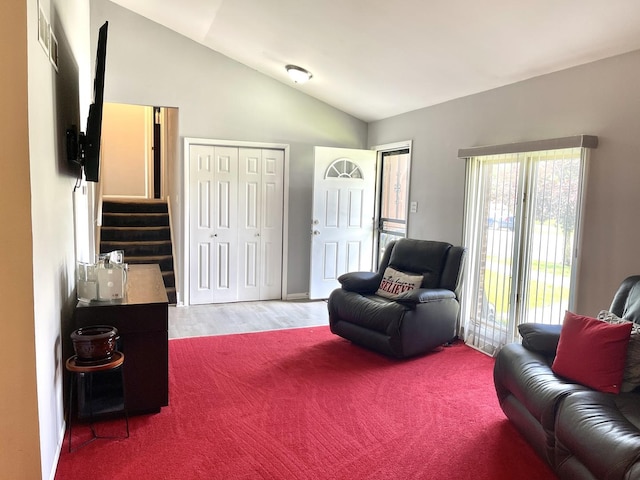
(626, 302)
(424, 257)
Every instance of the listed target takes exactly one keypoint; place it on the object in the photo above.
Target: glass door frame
(380, 151)
(478, 219)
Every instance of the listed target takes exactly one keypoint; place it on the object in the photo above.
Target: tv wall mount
(76, 145)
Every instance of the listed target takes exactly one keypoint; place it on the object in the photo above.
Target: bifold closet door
(260, 208)
(213, 214)
(236, 221)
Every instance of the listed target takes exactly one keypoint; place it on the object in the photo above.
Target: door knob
(316, 232)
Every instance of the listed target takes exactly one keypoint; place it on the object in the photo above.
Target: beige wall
(19, 441)
(126, 150)
(173, 183)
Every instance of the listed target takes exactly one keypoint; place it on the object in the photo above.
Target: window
(522, 219)
(393, 198)
(343, 168)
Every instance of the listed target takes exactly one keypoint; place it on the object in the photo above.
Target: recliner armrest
(360, 282)
(424, 295)
(539, 337)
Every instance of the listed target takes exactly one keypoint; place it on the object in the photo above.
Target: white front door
(342, 229)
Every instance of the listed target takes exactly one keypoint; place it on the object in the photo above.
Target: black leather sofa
(580, 432)
(415, 322)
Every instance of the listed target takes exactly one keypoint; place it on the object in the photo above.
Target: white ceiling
(379, 58)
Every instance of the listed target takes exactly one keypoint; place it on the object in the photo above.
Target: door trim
(188, 141)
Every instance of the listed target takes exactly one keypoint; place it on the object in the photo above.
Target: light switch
(413, 207)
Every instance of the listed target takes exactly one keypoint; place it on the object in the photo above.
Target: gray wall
(48, 250)
(219, 98)
(601, 98)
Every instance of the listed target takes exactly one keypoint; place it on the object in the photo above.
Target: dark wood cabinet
(141, 318)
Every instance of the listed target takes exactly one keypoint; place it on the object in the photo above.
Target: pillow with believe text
(395, 283)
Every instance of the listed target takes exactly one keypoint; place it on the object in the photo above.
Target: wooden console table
(141, 318)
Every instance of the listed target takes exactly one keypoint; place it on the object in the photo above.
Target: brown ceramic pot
(94, 343)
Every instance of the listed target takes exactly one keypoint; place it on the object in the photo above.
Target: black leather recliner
(580, 432)
(417, 321)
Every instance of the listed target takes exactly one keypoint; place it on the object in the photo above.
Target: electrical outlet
(413, 207)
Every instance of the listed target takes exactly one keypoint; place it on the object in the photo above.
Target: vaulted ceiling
(378, 58)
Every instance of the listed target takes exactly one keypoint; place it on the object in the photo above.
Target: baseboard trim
(297, 296)
(56, 458)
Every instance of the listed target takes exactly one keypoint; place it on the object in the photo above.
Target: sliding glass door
(522, 212)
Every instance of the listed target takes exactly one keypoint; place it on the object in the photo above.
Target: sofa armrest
(424, 295)
(539, 337)
(360, 282)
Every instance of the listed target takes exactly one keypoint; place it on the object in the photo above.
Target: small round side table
(78, 369)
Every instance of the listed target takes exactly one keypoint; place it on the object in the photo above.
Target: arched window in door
(343, 168)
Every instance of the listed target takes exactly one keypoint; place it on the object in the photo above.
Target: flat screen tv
(85, 148)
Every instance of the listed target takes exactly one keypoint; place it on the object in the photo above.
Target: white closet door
(201, 244)
(225, 208)
(213, 222)
(260, 205)
(272, 224)
(249, 221)
(236, 220)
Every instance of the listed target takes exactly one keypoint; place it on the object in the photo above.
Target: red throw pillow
(592, 352)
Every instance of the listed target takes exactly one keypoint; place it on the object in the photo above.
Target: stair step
(169, 279)
(171, 295)
(141, 248)
(141, 229)
(114, 206)
(135, 219)
(135, 233)
(165, 261)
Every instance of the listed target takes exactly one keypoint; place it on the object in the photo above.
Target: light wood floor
(225, 318)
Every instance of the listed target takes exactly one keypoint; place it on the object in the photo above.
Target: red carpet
(306, 404)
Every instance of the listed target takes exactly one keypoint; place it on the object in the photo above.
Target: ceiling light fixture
(298, 74)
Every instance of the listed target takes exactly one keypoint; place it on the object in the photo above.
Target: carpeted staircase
(142, 230)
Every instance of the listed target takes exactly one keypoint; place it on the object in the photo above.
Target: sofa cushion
(631, 377)
(601, 432)
(395, 283)
(527, 376)
(374, 312)
(592, 352)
